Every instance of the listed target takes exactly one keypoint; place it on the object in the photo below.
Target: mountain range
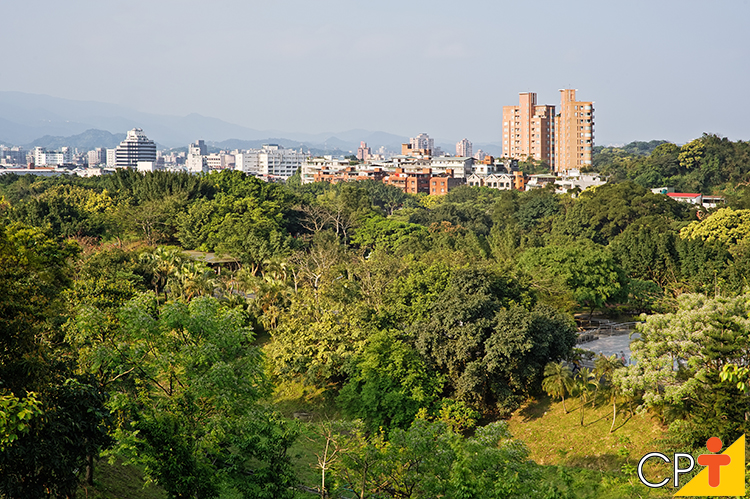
(34, 120)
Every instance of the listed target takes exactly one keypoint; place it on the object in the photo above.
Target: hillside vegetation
(354, 341)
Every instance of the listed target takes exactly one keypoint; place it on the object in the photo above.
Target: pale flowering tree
(678, 363)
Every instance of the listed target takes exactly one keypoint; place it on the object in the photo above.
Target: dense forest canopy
(421, 319)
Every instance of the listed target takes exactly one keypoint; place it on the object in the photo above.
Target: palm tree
(196, 279)
(165, 262)
(605, 368)
(557, 380)
(584, 383)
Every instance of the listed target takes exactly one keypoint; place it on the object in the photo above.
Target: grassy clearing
(115, 481)
(557, 438)
(589, 460)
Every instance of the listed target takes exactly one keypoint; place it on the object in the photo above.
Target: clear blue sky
(655, 69)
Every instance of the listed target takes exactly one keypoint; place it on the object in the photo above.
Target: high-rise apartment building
(136, 147)
(97, 157)
(529, 130)
(575, 132)
(363, 152)
(422, 142)
(464, 148)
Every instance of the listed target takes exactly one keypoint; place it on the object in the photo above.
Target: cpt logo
(723, 475)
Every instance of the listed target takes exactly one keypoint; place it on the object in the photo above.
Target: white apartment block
(42, 157)
(246, 161)
(461, 166)
(220, 161)
(272, 160)
(196, 163)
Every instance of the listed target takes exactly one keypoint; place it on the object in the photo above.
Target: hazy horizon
(666, 70)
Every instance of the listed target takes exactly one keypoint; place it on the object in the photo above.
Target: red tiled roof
(682, 195)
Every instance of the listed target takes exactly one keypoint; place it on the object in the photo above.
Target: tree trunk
(614, 414)
(583, 405)
(90, 469)
(364, 482)
(563, 400)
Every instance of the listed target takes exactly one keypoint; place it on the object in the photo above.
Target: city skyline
(400, 68)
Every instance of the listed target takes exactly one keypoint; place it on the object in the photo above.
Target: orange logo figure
(714, 461)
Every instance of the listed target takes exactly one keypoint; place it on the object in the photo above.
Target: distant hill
(636, 148)
(86, 141)
(643, 148)
(26, 117)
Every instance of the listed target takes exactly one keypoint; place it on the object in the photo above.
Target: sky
(658, 69)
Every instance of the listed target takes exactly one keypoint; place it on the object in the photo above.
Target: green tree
(558, 379)
(186, 382)
(647, 250)
(390, 384)
(15, 416)
(491, 348)
(430, 460)
(51, 457)
(589, 272)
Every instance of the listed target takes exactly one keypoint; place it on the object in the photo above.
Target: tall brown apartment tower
(575, 132)
(529, 130)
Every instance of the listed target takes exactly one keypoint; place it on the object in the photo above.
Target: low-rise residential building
(574, 179)
(706, 201)
(349, 174)
(687, 197)
(461, 167)
(147, 166)
(412, 182)
(539, 181)
(440, 185)
(499, 181)
(321, 164)
(713, 201)
(220, 161)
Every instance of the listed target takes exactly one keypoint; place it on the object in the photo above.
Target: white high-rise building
(136, 147)
(464, 148)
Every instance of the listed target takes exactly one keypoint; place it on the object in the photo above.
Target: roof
(682, 194)
(209, 257)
